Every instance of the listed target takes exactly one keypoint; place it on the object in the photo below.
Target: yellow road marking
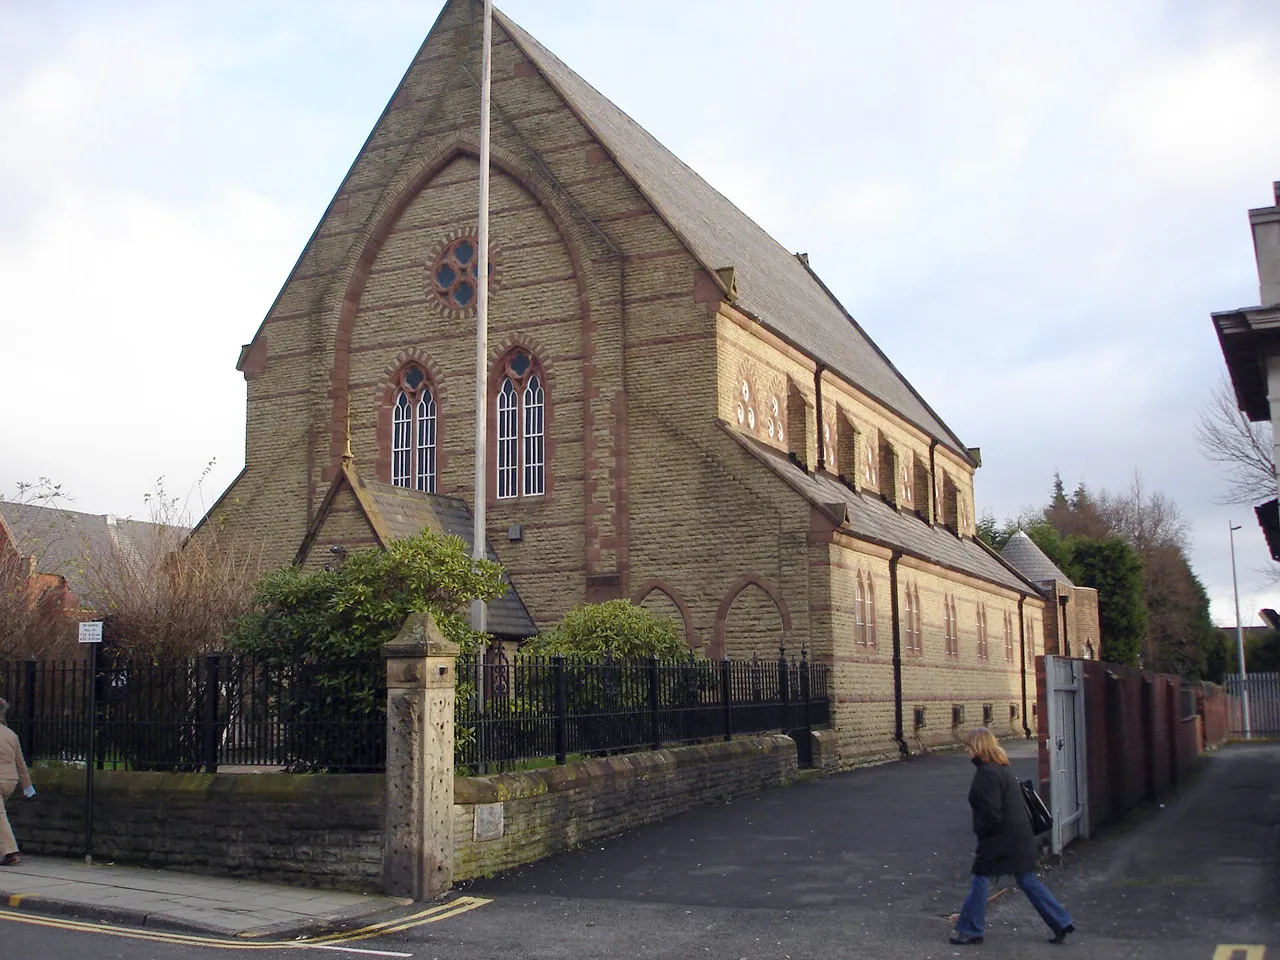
(1232, 951)
(431, 915)
(442, 911)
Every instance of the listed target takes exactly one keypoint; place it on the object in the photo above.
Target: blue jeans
(973, 914)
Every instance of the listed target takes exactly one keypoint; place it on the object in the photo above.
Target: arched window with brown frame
(871, 611)
(413, 432)
(521, 433)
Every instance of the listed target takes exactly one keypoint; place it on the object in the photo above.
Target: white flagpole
(478, 612)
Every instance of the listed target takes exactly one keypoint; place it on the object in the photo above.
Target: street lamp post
(1244, 686)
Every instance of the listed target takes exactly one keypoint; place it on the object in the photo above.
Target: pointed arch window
(950, 626)
(521, 433)
(983, 651)
(860, 612)
(913, 631)
(1008, 637)
(413, 433)
(871, 611)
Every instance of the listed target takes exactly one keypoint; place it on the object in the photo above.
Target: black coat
(1006, 845)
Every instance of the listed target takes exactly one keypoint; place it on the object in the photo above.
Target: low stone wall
(312, 830)
(327, 830)
(509, 819)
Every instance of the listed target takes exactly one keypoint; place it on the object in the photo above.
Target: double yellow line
(434, 914)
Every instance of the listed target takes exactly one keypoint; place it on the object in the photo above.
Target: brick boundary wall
(541, 812)
(1144, 732)
(312, 830)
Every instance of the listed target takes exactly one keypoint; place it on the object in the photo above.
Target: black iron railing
(558, 708)
(224, 710)
(201, 713)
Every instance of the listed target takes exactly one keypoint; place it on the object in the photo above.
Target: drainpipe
(817, 412)
(1022, 644)
(1066, 644)
(897, 654)
(933, 481)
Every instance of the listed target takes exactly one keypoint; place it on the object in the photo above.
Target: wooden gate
(1068, 785)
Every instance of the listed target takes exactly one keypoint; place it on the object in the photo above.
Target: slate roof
(774, 286)
(398, 512)
(77, 545)
(1022, 553)
(867, 516)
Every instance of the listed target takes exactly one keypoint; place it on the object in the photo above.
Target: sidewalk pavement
(220, 906)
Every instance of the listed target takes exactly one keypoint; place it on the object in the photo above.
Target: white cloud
(126, 315)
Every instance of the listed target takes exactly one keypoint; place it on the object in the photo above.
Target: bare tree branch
(1244, 448)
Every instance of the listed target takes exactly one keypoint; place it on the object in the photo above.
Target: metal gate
(1258, 699)
(1068, 785)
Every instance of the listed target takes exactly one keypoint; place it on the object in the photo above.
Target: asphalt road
(866, 864)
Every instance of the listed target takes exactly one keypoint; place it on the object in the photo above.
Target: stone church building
(680, 412)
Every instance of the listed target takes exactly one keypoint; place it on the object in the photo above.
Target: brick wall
(1143, 734)
(317, 831)
(559, 808)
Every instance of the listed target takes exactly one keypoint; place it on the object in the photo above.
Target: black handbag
(1041, 818)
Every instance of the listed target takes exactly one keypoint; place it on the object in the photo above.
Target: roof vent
(803, 258)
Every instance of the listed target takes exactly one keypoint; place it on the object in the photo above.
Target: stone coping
(582, 774)
(266, 787)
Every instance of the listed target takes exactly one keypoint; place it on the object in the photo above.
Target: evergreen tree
(1112, 568)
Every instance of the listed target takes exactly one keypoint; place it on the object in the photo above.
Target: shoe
(963, 939)
(1061, 935)
(10, 860)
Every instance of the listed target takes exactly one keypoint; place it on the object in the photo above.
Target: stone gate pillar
(417, 847)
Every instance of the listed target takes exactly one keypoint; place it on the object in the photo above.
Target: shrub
(616, 629)
(338, 619)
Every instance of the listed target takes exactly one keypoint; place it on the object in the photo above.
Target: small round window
(454, 274)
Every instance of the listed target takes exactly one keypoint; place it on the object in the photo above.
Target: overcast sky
(1031, 207)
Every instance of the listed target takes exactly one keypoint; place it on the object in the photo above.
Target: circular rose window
(454, 274)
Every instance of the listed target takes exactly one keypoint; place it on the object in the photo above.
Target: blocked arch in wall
(652, 587)
(748, 582)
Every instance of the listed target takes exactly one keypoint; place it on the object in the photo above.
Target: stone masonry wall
(316, 831)
(933, 679)
(533, 814)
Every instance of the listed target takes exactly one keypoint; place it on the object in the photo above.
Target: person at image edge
(13, 774)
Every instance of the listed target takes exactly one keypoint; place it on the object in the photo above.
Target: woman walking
(1006, 844)
(13, 774)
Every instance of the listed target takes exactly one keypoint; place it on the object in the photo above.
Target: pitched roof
(871, 518)
(1032, 562)
(80, 546)
(398, 512)
(774, 286)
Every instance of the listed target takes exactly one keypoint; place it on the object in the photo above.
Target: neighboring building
(680, 412)
(82, 549)
(46, 592)
(1070, 627)
(1250, 341)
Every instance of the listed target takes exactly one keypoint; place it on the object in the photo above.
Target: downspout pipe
(1066, 642)
(933, 480)
(897, 655)
(1022, 643)
(817, 412)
